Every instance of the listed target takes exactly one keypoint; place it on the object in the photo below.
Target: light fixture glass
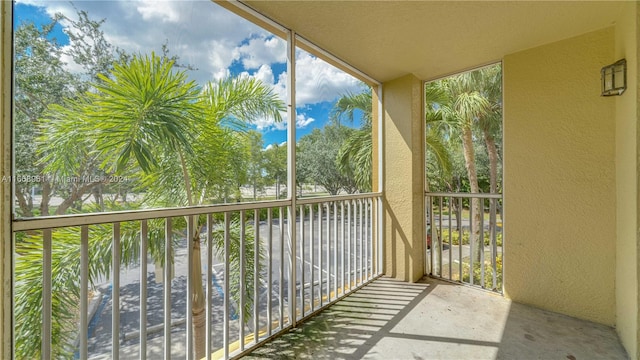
(614, 78)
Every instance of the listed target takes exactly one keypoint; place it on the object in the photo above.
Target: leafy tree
(89, 48)
(256, 161)
(40, 80)
(318, 158)
(276, 165)
(147, 119)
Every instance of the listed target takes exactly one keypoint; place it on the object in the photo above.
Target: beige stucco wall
(403, 178)
(626, 46)
(559, 171)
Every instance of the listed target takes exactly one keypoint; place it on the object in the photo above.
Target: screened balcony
(384, 272)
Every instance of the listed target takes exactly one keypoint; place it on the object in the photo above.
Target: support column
(5, 185)
(403, 178)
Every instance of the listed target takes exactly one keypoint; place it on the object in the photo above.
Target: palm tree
(356, 153)
(456, 102)
(188, 127)
(489, 82)
(490, 123)
(65, 292)
(147, 118)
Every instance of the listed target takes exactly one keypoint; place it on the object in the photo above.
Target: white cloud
(221, 74)
(154, 10)
(284, 143)
(264, 124)
(208, 37)
(318, 81)
(265, 74)
(280, 87)
(219, 58)
(302, 121)
(261, 50)
(71, 65)
(200, 32)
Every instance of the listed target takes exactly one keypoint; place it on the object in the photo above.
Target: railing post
(144, 229)
(243, 285)
(115, 293)
(46, 294)
(291, 171)
(256, 276)
(167, 286)
(190, 285)
(225, 301)
(209, 277)
(84, 290)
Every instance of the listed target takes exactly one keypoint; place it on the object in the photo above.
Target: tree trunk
(470, 164)
(255, 195)
(25, 209)
(198, 313)
(493, 185)
(98, 196)
(76, 195)
(46, 196)
(459, 207)
(492, 151)
(186, 178)
(198, 301)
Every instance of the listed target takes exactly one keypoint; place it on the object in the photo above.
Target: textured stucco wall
(403, 178)
(626, 46)
(559, 171)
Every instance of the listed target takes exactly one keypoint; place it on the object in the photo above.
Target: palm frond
(355, 158)
(241, 100)
(143, 106)
(437, 147)
(348, 104)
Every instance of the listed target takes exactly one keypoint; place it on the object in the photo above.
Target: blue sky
(215, 41)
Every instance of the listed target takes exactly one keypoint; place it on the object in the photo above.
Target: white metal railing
(465, 239)
(337, 252)
(253, 272)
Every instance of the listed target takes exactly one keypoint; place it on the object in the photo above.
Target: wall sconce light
(614, 78)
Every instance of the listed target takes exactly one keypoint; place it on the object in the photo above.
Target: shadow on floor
(432, 319)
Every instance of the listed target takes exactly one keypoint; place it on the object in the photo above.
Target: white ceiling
(389, 39)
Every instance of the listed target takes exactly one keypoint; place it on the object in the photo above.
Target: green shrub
(488, 274)
(455, 237)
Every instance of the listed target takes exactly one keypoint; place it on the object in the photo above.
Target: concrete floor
(433, 319)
